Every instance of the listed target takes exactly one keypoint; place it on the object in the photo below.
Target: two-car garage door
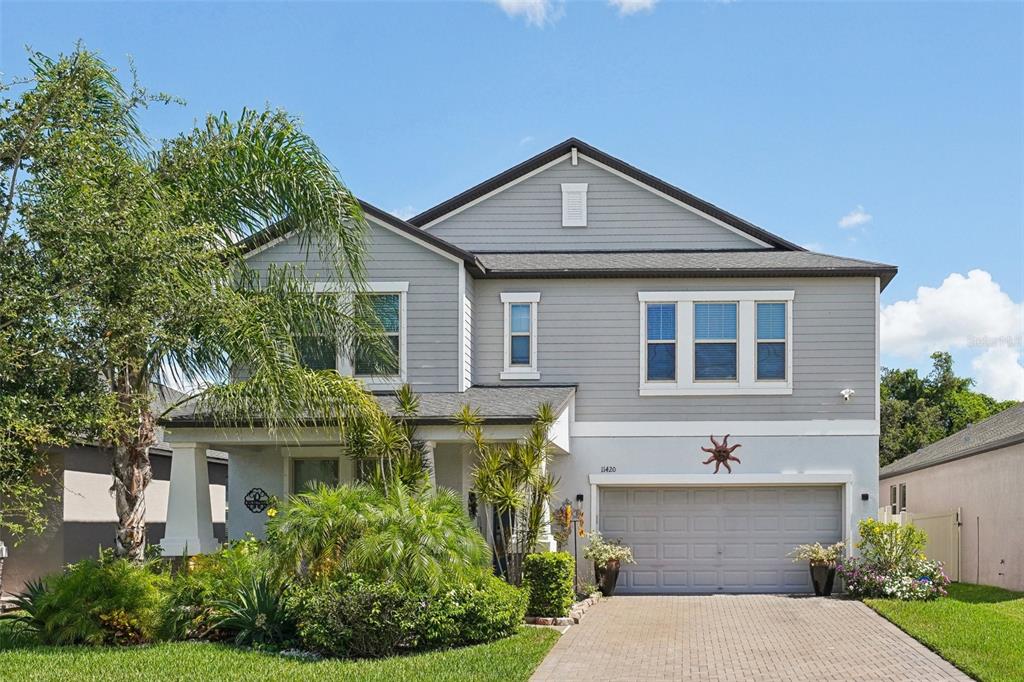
(718, 539)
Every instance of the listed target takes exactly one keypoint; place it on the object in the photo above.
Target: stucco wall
(854, 456)
(987, 489)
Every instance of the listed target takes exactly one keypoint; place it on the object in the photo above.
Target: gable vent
(574, 204)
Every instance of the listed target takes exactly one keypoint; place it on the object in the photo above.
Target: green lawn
(979, 629)
(506, 660)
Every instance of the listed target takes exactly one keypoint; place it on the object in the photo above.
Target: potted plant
(822, 561)
(608, 558)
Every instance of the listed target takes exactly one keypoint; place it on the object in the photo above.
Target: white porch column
(428, 452)
(189, 528)
(546, 541)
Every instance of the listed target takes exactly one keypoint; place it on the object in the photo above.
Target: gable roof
(741, 263)
(998, 431)
(282, 229)
(566, 147)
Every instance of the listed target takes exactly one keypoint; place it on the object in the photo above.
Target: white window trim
(569, 188)
(746, 382)
(345, 360)
(520, 372)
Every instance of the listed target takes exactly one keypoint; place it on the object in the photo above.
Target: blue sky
(907, 120)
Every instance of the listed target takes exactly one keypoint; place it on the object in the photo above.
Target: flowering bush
(918, 579)
(817, 554)
(601, 551)
(892, 565)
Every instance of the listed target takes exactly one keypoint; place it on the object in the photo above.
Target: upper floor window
(661, 341)
(383, 304)
(385, 312)
(716, 342)
(520, 313)
(771, 341)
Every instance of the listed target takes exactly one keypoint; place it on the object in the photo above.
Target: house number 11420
(607, 470)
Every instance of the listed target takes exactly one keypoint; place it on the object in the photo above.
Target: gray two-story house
(650, 320)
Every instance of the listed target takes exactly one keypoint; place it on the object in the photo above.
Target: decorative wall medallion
(257, 500)
(721, 454)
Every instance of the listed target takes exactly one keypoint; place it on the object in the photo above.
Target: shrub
(94, 602)
(361, 619)
(421, 542)
(255, 614)
(473, 615)
(205, 578)
(892, 565)
(549, 578)
(889, 546)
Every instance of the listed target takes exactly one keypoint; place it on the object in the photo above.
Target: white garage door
(718, 539)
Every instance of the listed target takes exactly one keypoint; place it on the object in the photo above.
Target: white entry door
(718, 539)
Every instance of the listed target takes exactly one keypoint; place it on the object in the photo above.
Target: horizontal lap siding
(589, 334)
(620, 215)
(433, 305)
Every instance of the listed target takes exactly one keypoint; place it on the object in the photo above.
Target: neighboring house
(968, 488)
(82, 512)
(650, 320)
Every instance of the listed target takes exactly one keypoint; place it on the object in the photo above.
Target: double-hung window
(893, 509)
(661, 342)
(903, 497)
(771, 341)
(520, 313)
(384, 360)
(716, 342)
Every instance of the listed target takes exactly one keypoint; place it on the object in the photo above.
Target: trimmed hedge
(359, 619)
(549, 577)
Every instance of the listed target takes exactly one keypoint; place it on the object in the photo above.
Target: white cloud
(404, 213)
(527, 139)
(855, 218)
(971, 312)
(627, 7)
(817, 247)
(536, 12)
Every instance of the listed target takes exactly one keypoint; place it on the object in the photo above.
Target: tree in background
(917, 411)
(136, 248)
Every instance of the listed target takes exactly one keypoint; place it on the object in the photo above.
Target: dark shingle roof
(743, 263)
(496, 405)
(1000, 430)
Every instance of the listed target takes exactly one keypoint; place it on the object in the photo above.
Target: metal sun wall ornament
(721, 454)
(257, 500)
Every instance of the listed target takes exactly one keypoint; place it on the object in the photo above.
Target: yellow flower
(272, 512)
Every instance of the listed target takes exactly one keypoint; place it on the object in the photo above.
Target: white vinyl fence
(943, 532)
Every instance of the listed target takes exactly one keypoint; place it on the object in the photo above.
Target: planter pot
(822, 577)
(598, 573)
(609, 576)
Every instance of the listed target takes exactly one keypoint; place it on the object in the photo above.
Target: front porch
(265, 465)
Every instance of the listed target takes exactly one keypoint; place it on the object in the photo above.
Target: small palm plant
(513, 478)
(386, 450)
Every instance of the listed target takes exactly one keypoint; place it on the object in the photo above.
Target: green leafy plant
(513, 479)
(818, 554)
(601, 551)
(255, 615)
(95, 602)
(418, 541)
(890, 545)
(189, 612)
(472, 614)
(549, 579)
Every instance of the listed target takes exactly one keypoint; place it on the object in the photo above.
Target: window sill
(518, 375)
(733, 389)
(382, 383)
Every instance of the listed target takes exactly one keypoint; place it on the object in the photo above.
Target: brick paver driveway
(738, 638)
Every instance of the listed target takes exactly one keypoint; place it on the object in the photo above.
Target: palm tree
(148, 244)
(513, 478)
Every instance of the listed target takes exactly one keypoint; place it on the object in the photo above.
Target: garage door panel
(718, 539)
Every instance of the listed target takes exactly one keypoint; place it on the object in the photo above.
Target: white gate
(943, 532)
